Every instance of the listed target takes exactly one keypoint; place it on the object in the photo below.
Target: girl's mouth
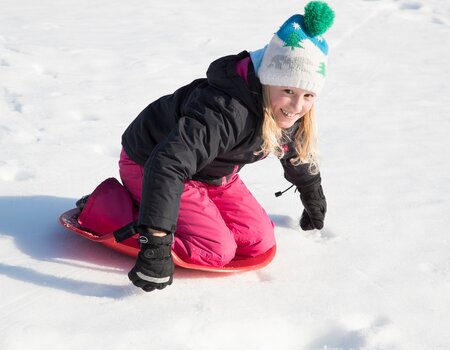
(286, 114)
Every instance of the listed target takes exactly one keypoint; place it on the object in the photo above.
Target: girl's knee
(255, 243)
(205, 253)
(219, 257)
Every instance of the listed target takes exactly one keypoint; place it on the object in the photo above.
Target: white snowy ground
(74, 73)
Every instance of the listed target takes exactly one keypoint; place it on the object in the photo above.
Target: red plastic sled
(69, 220)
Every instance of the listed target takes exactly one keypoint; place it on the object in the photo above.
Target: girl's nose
(298, 103)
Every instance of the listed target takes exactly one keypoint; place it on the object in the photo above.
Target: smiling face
(289, 104)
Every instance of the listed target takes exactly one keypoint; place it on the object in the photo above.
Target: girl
(182, 154)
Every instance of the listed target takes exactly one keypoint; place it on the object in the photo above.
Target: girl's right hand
(154, 265)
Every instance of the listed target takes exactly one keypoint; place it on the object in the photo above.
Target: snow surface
(74, 73)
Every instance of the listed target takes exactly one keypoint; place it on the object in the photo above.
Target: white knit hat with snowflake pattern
(297, 54)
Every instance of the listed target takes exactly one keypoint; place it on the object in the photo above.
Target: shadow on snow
(32, 221)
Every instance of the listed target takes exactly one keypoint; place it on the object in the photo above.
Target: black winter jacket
(204, 131)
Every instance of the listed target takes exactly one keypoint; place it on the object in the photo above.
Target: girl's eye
(288, 91)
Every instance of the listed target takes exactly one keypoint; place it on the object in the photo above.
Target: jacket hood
(222, 75)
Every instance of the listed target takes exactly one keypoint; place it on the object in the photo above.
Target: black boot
(82, 202)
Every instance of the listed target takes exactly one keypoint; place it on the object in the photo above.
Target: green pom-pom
(318, 18)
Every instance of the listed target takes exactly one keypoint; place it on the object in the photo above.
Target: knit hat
(297, 54)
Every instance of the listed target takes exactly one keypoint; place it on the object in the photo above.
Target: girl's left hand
(315, 205)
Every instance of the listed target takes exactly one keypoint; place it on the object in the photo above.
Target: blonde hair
(305, 138)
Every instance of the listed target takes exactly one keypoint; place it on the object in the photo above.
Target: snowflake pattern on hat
(293, 28)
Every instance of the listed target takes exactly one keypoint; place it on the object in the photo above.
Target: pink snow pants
(215, 223)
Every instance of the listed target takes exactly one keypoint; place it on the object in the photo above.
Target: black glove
(154, 264)
(315, 206)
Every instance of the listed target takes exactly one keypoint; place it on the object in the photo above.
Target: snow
(73, 74)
